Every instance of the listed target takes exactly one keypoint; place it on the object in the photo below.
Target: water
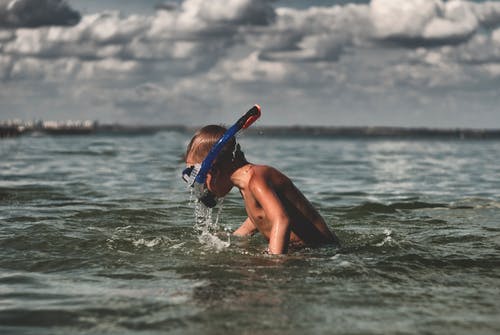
(98, 236)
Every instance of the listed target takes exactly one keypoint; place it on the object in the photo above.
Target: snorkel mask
(196, 175)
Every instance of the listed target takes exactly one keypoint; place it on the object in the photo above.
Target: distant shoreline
(271, 131)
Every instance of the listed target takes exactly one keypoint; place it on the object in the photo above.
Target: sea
(99, 235)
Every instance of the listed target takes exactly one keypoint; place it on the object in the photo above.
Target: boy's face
(219, 182)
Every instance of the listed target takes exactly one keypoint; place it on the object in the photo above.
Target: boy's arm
(275, 213)
(247, 228)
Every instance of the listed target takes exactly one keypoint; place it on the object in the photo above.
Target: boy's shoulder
(260, 172)
(265, 175)
(260, 169)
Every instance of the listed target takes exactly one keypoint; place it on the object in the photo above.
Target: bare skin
(275, 207)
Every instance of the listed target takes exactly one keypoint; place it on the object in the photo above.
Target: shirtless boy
(275, 207)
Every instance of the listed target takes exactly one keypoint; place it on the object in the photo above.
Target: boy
(275, 207)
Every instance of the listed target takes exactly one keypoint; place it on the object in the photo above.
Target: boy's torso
(307, 226)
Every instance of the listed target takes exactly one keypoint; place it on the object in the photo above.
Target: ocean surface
(98, 235)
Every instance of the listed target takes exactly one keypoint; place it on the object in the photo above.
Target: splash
(387, 239)
(209, 229)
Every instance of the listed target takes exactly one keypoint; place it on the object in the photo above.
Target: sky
(411, 63)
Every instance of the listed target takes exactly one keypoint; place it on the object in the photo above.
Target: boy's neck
(240, 174)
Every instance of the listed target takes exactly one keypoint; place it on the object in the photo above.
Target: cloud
(36, 13)
(190, 38)
(210, 19)
(247, 12)
(6, 35)
(327, 33)
(167, 5)
(251, 69)
(416, 23)
(488, 13)
(196, 35)
(314, 34)
(198, 57)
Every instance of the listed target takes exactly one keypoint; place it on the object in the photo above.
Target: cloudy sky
(410, 63)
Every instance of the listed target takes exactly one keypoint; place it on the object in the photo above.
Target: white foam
(387, 238)
(147, 243)
(178, 245)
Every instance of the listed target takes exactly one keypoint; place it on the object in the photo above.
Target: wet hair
(203, 140)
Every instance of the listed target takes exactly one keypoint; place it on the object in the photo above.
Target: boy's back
(272, 199)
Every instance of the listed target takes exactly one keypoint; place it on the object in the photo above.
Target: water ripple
(98, 235)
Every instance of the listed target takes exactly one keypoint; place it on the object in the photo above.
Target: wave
(428, 261)
(87, 152)
(417, 205)
(30, 192)
(370, 208)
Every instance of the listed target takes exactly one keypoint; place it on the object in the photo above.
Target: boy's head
(218, 181)
(203, 140)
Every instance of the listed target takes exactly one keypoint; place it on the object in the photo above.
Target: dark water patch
(62, 263)
(28, 193)
(349, 194)
(416, 205)
(47, 248)
(25, 294)
(491, 229)
(41, 318)
(83, 190)
(489, 262)
(395, 273)
(462, 207)
(444, 262)
(114, 216)
(44, 262)
(436, 222)
(38, 236)
(159, 325)
(94, 152)
(379, 209)
(322, 199)
(215, 293)
(44, 175)
(422, 222)
(5, 194)
(18, 279)
(456, 239)
(367, 209)
(22, 219)
(127, 276)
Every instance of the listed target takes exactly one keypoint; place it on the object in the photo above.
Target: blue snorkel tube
(201, 192)
(244, 122)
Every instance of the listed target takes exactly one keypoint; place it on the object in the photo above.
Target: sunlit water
(98, 235)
